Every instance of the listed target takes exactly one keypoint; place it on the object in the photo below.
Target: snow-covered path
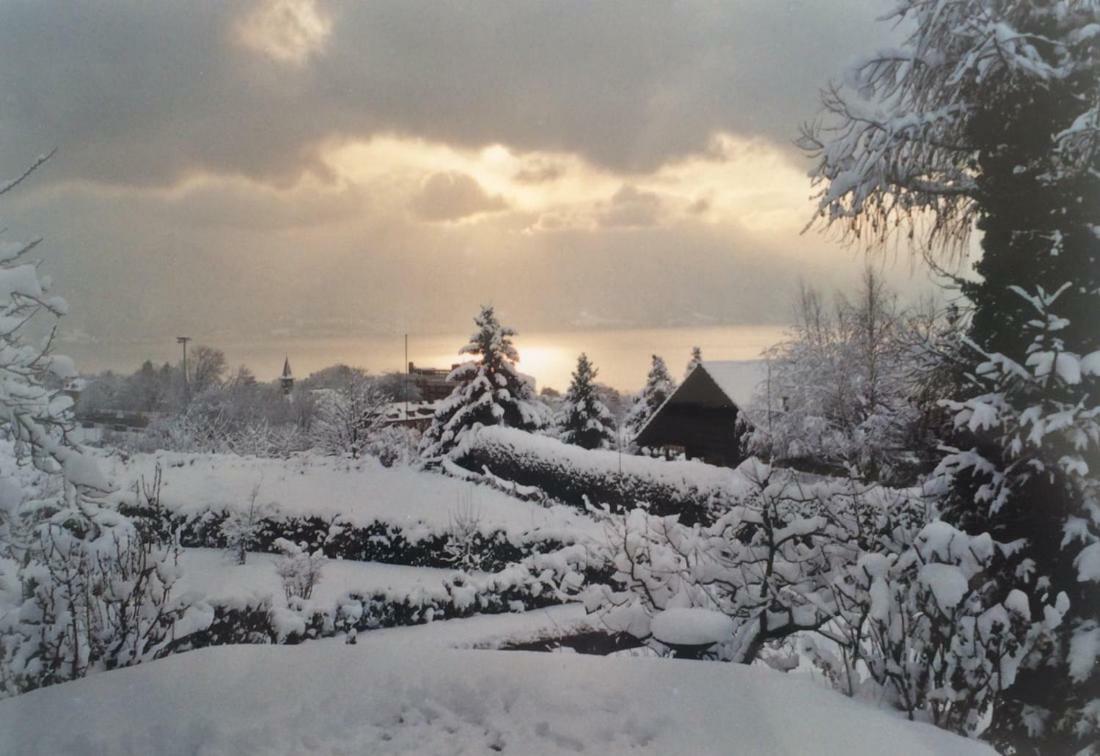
(404, 691)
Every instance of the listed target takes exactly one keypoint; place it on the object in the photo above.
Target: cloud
(630, 207)
(631, 89)
(290, 31)
(539, 172)
(451, 196)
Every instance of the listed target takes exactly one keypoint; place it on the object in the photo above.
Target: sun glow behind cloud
(289, 31)
(746, 182)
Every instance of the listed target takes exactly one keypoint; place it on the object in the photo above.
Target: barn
(700, 418)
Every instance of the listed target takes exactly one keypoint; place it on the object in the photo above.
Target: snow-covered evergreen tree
(658, 387)
(583, 419)
(988, 115)
(489, 390)
(696, 358)
(81, 587)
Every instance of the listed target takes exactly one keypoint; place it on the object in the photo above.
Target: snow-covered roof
(738, 379)
(397, 412)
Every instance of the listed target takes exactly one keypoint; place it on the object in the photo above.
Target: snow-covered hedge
(417, 544)
(580, 477)
(538, 581)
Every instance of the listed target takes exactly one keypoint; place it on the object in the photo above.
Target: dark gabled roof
(709, 384)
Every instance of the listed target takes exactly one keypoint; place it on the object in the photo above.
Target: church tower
(286, 380)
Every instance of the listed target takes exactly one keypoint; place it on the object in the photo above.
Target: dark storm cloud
(143, 92)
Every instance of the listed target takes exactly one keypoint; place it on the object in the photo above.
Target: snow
(738, 379)
(684, 476)
(403, 691)
(214, 574)
(360, 494)
(1088, 563)
(947, 583)
(691, 627)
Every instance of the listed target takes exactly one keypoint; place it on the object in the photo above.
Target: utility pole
(406, 378)
(186, 381)
(768, 361)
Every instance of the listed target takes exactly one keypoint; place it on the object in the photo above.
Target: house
(700, 418)
(431, 382)
(411, 414)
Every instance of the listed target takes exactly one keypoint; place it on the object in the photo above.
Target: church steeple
(286, 380)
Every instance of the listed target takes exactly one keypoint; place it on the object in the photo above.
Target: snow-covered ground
(217, 577)
(404, 691)
(360, 493)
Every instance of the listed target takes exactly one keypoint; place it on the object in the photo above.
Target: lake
(621, 355)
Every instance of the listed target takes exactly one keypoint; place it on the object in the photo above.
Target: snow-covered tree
(348, 418)
(582, 418)
(988, 116)
(658, 387)
(842, 389)
(81, 587)
(488, 391)
(696, 358)
(242, 527)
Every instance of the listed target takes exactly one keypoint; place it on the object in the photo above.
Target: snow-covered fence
(582, 477)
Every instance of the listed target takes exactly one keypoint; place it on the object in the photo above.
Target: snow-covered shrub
(489, 390)
(242, 527)
(768, 562)
(298, 568)
(929, 631)
(465, 534)
(81, 587)
(394, 445)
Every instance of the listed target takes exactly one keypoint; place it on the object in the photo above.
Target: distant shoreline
(621, 354)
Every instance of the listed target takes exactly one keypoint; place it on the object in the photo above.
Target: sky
(273, 168)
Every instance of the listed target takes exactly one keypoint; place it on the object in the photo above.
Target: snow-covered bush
(81, 587)
(489, 391)
(768, 562)
(465, 534)
(928, 630)
(242, 527)
(299, 569)
(394, 445)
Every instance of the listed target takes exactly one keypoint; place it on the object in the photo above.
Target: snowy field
(360, 493)
(404, 691)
